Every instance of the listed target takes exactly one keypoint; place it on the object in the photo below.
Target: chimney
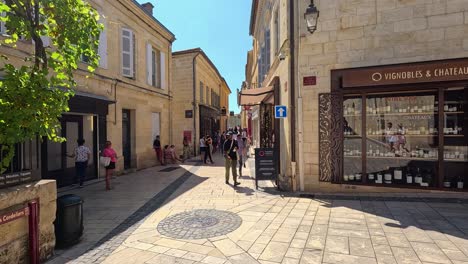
(148, 7)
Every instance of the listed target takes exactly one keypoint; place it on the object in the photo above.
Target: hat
(229, 133)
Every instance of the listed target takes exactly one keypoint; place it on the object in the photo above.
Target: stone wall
(366, 33)
(14, 235)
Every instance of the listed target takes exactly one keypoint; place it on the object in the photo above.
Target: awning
(89, 103)
(255, 96)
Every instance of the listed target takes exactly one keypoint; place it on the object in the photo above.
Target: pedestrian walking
(109, 152)
(230, 158)
(208, 149)
(222, 139)
(240, 154)
(157, 149)
(186, 149)
(82, 154)
(202, 147)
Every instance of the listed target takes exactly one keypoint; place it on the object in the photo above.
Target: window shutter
(45, 41)
(3, 29)
(268, 50)
(127, 53)
(163, 70)
(149, 63)
(102, 49)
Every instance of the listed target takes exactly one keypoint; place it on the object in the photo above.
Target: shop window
(455, 139)
(402, 139)
(25, 160)
(353, 140)
(393, 139)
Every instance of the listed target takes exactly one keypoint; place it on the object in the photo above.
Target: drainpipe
(116, 81)
(300, 126)
(292, 64)
(194, 78)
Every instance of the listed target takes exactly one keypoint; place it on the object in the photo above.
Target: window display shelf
(352, 136)
(456, 160)
(403, 114)
(406, 135)
(402, 158)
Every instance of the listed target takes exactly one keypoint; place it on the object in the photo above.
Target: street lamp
(311, 16)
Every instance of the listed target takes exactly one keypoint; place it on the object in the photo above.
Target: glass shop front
(406, 125)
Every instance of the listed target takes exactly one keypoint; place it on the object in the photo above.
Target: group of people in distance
(168, 154)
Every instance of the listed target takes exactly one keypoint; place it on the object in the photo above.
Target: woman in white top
(202, 147)
(81, 154)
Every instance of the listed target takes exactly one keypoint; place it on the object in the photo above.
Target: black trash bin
(69, 220)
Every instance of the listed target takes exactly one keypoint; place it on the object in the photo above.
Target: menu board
(266, 165)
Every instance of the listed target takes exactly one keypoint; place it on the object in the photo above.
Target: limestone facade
(14, 242)
(193, 69)
(353, 34)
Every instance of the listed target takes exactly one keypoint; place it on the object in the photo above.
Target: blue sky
(219, 27)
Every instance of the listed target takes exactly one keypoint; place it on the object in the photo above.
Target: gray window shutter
(149, 63)
(127, 53)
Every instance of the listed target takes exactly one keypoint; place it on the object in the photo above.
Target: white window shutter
(2, 24)
(149, 63)
(163, 70)
(127, 53)
(45, 41)
(102, 49)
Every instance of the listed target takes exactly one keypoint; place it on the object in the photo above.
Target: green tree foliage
(33, 95)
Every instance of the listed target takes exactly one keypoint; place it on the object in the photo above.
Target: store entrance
(57, 165)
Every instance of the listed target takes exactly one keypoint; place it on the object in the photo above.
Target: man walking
(230, 148)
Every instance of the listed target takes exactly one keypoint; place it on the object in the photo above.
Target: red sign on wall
(188, 135)
(12, 216)
(310, 80)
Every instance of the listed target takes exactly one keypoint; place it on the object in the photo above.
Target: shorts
(111, 166)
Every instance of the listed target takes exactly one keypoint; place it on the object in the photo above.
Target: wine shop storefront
(402, 126)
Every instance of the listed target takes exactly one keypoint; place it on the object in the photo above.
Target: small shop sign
(266, 167)
(12, 179)
(309, 80)
(188, 113)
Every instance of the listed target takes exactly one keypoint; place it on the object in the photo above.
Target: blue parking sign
(281, 111)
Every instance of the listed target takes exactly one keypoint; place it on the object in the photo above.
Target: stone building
(200, 96)
(378, 93)
(126, 101)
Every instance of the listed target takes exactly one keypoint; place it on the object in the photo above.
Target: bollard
(33, 232)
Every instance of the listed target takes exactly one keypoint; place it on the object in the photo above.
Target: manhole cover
(198, 224)
(169, 169)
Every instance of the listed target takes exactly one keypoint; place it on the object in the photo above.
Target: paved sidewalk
(274, 228)
(104, 210)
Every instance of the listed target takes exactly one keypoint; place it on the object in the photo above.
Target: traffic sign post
(281, 111)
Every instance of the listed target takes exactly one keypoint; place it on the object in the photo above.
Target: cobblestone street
(223, 224)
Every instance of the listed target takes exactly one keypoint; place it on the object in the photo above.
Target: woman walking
(81, 154)
(209, 146)
(185, 150)
(109, 152)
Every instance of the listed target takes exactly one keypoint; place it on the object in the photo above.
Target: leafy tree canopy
(34, 93)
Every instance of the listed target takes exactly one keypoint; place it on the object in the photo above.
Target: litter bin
(69, 220)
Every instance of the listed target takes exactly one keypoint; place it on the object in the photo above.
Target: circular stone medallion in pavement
(198, 224)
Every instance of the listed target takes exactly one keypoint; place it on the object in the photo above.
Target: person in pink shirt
(110, 153)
